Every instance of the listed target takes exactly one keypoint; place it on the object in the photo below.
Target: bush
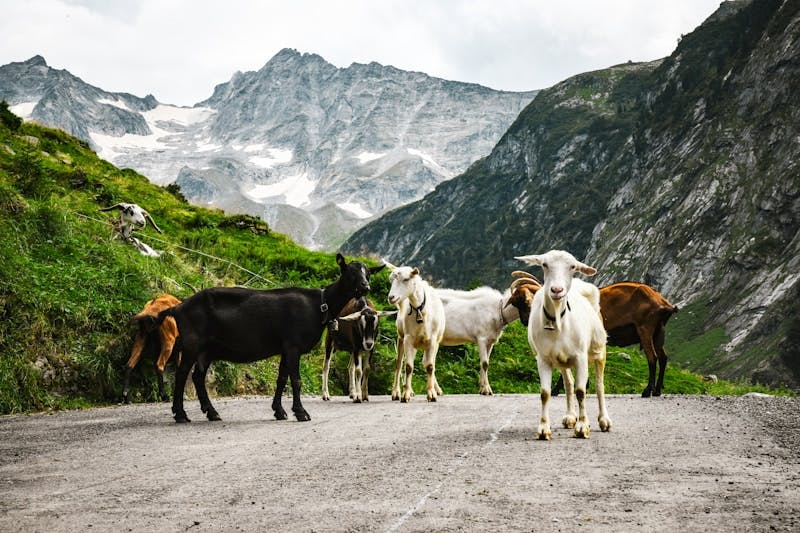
(11, 121)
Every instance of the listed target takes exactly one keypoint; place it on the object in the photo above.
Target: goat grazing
(131, 217)
(357, 327)
(147, 341)
(245, 325)
(477, 316)
(565, 331)
(633, 313)
(420, 326)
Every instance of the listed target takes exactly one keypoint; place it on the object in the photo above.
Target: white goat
(131, 216)
(565, 330)
(477, 316)
(420, 326)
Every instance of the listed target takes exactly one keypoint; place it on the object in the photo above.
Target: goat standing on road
(246, 325)
(356, 331)
(565, 331)
(478, 316)
(420, 326)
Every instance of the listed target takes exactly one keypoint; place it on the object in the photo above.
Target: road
(465, 463)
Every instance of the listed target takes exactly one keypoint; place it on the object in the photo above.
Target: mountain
(682, 173)
(313, 149)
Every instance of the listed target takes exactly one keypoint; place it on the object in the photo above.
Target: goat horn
(525, 282)
(351, 316)
(523, 274)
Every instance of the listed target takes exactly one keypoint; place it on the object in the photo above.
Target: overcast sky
(178, 50)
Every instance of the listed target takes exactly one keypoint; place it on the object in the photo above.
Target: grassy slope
(68, 289)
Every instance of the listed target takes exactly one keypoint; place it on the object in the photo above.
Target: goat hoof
(213, 416)
(182, 419)
(280, 414)
(356, 400)
(405, 399)
(543, 433)
(569, 421)
(431, 398)
(302, 415)
(581, 430)
(326, 398)
(646, 393)
(604, 422)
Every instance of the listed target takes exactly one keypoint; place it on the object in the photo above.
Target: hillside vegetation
(68, 287)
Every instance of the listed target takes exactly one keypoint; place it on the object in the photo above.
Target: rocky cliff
(682, 173)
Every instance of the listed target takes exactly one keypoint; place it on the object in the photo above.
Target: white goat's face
(132, 214)
(559, 267)
(404, 282)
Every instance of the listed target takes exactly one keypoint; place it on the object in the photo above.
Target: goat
(146, 341)
(357, 327)
(420, 326)
(244, 325)
(565, 331)
(476, 316)
(633, 313)
(131, 216)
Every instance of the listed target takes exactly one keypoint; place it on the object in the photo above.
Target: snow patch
(276, 156)
(23, 110)
(355, 209)
(366, 157)
(296, 190)
(430, 162)
(114, 103)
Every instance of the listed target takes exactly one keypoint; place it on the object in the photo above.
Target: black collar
(323, 308)
(551, 318)
(418, 309)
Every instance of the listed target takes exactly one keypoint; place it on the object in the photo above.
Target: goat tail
(667, 312)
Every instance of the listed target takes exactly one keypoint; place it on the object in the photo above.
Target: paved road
(466, 463)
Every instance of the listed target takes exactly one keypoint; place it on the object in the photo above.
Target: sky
(179, 50)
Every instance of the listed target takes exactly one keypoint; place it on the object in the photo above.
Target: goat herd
(569, 322)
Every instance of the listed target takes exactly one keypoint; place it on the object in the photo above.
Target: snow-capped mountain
(313, 149)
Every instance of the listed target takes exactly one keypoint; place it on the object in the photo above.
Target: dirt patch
(465, 463)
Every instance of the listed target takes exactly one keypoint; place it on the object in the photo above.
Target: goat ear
(586, 269)
(414, 272)
(115, 206)
(373, 270)
(153, 222)
(530, 259)
(387, 313)
(340, 260)
(351, 317)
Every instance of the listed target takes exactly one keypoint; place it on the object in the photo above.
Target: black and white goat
(355, 331)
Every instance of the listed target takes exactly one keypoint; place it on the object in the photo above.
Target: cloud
(179, 50)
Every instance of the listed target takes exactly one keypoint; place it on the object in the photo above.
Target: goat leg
(283, 376)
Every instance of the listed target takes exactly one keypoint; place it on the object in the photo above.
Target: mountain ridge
(337, 145)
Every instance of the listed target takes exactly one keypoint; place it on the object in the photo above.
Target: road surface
(465, 463)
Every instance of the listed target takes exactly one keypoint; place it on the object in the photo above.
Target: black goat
(245, 325)
(357, 327)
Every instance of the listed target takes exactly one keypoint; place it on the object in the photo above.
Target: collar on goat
(549, 322)
(418, 309)
(502, 316)
(324, 308)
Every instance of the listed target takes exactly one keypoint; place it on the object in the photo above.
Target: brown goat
(632, 313)
(166, 339)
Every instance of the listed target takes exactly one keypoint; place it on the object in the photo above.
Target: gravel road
(465, 463)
